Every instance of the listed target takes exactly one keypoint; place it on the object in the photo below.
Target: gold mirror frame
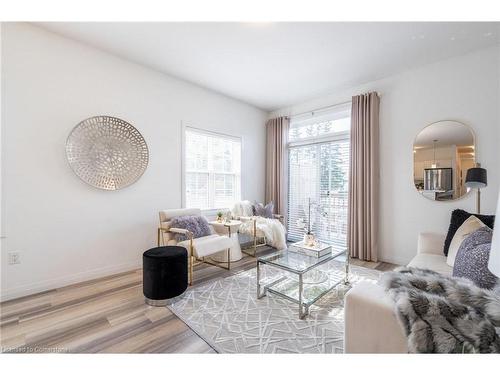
(440, 165)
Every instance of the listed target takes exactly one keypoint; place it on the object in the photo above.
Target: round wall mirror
(442, 154)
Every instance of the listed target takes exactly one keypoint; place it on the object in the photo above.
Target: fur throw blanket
(271, 229)
(442, 314)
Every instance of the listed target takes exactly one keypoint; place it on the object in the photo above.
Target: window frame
(189, 127)
(341, 136)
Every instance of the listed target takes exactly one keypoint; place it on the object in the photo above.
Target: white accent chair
(243, 212)
(198, 248)
(370, 322)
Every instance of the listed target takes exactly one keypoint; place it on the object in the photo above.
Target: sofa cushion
(469, 226)
(431, 262)
(472, 259)
(457, 219)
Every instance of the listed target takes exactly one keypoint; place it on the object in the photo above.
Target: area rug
(228, 316)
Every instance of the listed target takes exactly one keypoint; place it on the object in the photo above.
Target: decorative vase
(309, 239)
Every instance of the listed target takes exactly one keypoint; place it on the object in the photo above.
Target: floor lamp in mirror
(477, 179)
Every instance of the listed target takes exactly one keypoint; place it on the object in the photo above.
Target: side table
(230, 229)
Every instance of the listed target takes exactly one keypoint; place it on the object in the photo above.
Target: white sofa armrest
(370, 324)
(430, 243)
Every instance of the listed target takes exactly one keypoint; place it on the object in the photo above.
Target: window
(318, 171)
(212, 170)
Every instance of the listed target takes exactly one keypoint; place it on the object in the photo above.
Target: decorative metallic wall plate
(107, 152)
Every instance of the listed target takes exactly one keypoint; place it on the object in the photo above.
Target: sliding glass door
(318, 177)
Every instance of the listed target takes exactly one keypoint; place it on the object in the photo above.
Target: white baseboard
(44, 285)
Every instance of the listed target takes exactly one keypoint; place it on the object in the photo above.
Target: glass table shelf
(297, 262)
(299, 278)
(289, 288)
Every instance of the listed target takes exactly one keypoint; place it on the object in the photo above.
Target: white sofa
(371, 324)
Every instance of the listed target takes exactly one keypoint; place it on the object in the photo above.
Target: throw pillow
(198, 225)
(457, 219)
(247, 208)
(470, 225)
(472, 259)
(264, 211)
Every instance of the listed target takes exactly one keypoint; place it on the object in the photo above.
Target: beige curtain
(362, 238)
(276, 163)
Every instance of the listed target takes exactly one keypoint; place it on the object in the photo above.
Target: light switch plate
(14, 258)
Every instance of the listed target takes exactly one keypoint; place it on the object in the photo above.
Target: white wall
(65, 230)
(465, 89)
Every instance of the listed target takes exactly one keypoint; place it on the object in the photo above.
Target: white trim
(187, 126)
(183, 164)
(210, 132)
(340, 136)
(59, 282)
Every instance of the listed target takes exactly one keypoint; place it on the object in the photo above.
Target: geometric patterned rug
(228, 316)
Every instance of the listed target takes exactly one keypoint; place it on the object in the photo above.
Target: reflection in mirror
(442, 154)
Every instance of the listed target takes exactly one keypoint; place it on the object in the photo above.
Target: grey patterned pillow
(260, 210)
(472, 259)
(198, 225)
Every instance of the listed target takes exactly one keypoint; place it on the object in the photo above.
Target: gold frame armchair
(257, 240)
(199, 249)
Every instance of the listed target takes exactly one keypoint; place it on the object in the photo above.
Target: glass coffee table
(302, 281)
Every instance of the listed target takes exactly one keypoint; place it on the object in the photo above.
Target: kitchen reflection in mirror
(442, 154)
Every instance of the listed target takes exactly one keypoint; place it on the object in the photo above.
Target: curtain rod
(323, 108)
(319, 109)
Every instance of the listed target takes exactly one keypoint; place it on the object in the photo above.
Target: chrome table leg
(302, 314)
(259, 293)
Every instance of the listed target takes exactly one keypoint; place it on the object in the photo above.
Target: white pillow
(237, 210)
(247, 208)
(470, 225)
(243, 208)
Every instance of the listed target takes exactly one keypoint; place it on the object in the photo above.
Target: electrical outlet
(14, 258)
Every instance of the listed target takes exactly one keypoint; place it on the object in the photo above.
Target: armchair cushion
(197, 225)
(205, 246)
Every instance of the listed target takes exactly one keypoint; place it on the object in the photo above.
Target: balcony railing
(329, 218)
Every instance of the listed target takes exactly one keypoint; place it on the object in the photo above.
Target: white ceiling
(274, 65)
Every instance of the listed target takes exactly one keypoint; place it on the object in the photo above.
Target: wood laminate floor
(108, 315)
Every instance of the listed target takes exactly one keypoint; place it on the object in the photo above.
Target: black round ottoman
(164, 274)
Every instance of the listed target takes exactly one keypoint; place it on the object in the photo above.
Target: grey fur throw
(441, 314)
